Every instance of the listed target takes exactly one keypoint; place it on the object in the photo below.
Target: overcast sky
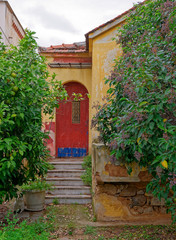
(66, 21)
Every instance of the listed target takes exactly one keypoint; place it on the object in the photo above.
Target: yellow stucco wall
(104, 51)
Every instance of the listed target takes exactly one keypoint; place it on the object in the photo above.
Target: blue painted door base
(71, 152)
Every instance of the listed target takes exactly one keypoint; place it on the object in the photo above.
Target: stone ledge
(108, 172)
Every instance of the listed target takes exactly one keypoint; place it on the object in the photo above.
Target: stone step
(65, 181)
(67, 165)
(71, 190)
(69, 199)
(65, 173)
(68, 187)
(66, 159)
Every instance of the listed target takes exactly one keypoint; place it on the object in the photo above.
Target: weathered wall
(10, 27)
(104, 51)
(127, 201)
(119, 196)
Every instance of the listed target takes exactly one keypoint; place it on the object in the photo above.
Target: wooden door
(72, 122)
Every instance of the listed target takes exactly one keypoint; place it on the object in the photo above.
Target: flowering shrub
(138, 122)
(24, 94)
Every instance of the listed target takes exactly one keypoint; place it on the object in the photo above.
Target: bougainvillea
(139, 120)
(24, 94)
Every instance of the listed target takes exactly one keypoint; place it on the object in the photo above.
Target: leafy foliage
(38, 184)
(24, 94)
(138, 122)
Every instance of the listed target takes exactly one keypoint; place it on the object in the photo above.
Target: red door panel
(72, 120)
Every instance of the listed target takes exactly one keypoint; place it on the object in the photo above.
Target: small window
(76, 112)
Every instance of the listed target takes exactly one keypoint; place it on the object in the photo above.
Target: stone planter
(34, 200)
(105, 171)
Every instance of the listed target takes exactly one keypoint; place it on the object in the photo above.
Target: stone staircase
(68, 186)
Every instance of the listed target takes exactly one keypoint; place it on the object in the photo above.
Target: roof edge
(120, 18)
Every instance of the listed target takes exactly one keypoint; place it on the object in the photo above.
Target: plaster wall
(104, 51)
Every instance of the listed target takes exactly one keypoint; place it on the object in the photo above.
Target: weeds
(90, 230)
(24, 230)
(71, 227)
(146, 232)
(55, 201)
(87, 175)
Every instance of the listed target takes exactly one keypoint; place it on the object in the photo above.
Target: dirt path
(78, 223)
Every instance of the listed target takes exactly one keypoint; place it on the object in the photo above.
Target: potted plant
(34, 194)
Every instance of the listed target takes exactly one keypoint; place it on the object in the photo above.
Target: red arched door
(72, 122)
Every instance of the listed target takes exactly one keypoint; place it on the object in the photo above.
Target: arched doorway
(72, 123)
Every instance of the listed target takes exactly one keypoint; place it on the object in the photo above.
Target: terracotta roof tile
(74, 47)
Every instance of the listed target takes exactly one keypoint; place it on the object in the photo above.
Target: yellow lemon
(164, 164)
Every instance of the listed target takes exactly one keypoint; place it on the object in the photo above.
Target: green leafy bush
(87, 175)
(24, 95)
(138, 122)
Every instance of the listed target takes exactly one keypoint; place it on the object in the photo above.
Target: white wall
(11, 29)
(2, 22)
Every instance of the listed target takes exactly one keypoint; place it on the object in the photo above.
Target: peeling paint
(101, 86)
(109, 207)
(105, 173)
(108, 61)
(50, 127)
(108, 38)
(96, 91)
